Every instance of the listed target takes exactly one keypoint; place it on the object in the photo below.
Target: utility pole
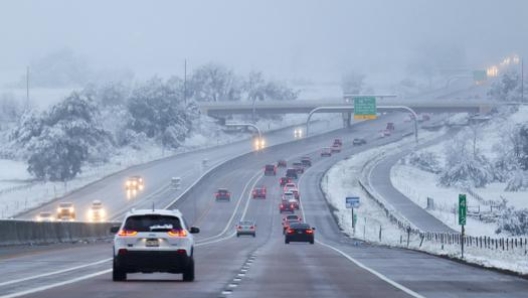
(185, 82)
(522, 80)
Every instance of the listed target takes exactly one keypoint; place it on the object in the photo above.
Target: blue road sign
(352, 202)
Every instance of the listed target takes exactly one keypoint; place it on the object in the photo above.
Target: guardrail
(19, 232)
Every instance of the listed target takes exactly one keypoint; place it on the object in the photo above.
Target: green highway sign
(364, 107)
(462, 209)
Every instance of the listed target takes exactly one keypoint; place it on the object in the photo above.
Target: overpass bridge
(223, 109)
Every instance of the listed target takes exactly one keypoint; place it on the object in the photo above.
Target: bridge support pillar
(347, 119)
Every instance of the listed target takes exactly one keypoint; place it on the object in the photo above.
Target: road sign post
(462, 211)
(351, 203)
(365, 108)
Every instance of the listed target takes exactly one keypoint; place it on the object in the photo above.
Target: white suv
(153, 240)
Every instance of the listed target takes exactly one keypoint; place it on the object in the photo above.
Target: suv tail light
(127, 233)
(177, 233)
(310, 231)
(281, 206)
(289, 231)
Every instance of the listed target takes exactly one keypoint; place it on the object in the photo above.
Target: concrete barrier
(19, 232)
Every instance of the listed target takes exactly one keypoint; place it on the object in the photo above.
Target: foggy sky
(315, 39)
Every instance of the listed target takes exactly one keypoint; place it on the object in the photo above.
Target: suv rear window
(152, 223)
(270, 167)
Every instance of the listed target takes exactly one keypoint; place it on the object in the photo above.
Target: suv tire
(117, 273)
(188, 274)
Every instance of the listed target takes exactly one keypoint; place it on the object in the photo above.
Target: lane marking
(43, 288)
(53, 273)
(356, 262)
(240, 199)
(376, 273)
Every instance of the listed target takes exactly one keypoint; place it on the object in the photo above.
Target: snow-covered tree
(214, 82)
(426, 161)
(30, 125)
(465, 167)
(57, 156)
(508, 87)
(157, 107)
(518, 181)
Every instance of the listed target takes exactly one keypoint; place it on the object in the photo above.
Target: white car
(153, 240)
(45, 216)
(289, 186)
(96, 213)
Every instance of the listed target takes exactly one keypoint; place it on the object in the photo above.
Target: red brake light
(127, 233)
(252, 227)
(177, 233)
(290, 231)
(281, 205)
(310, 231)
(291, 206)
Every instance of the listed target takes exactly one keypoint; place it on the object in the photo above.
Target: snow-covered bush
(426, 161)
(518, 181)
(513, 221)
(465, 168)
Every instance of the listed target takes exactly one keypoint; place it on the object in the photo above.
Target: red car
(282, 163)
(285, 180)
(223, 195)
(259, 192)
(336, 148)
(286, 206)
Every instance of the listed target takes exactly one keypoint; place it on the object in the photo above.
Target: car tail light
(177, 233)
(291, 206)
(289, 231)
(239, 227)
(281, 206)
(122, 251)
(252, 228)
(127, 233)
(181, 251)
(309, 231)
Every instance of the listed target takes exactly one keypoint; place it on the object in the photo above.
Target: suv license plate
(152, 243)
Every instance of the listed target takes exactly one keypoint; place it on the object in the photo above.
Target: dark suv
(270, 170)
(306, 161)
(291, 173)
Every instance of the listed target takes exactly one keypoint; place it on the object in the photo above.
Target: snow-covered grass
(342, 180)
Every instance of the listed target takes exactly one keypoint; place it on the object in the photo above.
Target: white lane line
(356, 262)
(379, 275)
(59, 284)
(53, 273)
(240, 199)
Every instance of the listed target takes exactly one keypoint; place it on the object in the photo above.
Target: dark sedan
(299, 232)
